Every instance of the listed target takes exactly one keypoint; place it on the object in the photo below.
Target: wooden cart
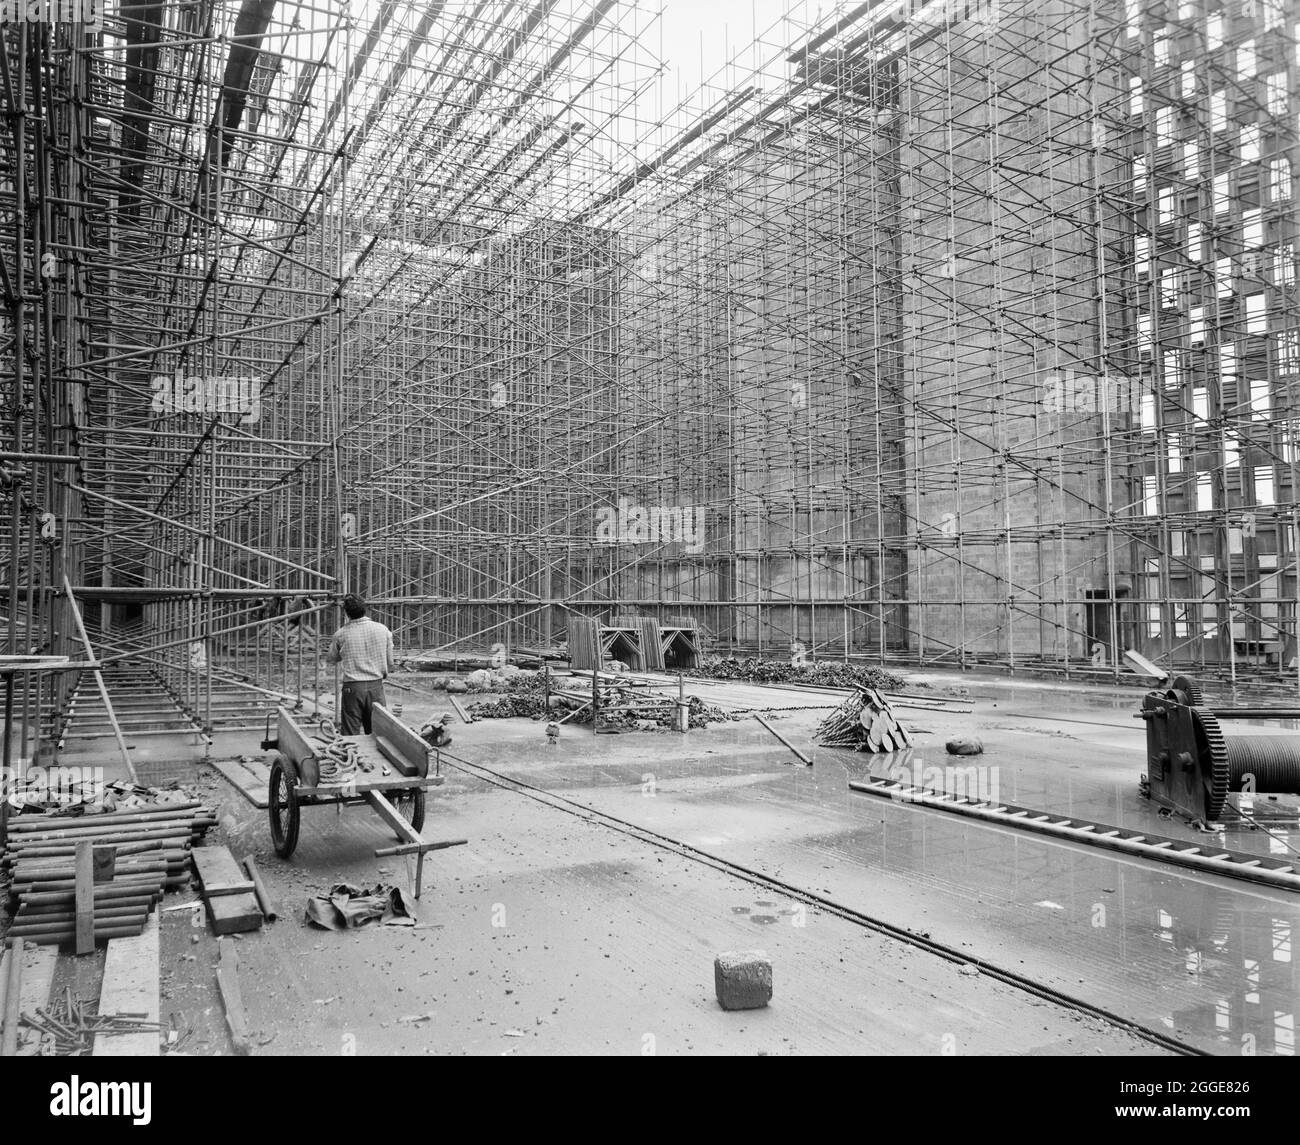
(392, 778)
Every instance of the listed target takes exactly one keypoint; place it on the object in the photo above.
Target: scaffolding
(955, 334)
(993, 316)
(284, 285)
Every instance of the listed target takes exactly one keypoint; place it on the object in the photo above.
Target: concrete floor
(548, 934)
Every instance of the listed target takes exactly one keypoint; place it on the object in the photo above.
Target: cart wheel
(282, 807)
(410, 806)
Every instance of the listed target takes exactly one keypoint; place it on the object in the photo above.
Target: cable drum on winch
(1194, 765)
(1273, 761)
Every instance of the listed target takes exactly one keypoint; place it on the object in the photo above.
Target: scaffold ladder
(1177, 852)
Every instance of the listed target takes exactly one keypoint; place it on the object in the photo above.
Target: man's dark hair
(354, 606)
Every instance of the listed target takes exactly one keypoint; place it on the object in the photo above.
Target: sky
(700, 35)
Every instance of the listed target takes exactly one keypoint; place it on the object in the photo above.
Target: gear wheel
(1187, 686)
(1211, 747)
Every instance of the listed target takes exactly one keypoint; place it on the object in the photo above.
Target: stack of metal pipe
(152, 852)
(121, 907)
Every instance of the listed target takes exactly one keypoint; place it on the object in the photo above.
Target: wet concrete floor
(549, 934)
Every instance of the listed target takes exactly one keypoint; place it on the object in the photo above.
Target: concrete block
(742, 979)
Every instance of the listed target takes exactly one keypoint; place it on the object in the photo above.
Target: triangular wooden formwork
(635, 640)
(682, 645)
(632, 651)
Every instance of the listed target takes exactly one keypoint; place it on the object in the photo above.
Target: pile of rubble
(824, 674)
(51, 792)
(505, 679)
(633, 711)
(703, 714)
(527, 706)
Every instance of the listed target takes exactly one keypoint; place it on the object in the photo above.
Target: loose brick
(742, 979)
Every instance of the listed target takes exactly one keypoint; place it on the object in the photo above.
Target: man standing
(365, 649)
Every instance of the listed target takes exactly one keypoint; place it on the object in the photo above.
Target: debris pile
(632, 709)
(445, 662)
(864, 722)
(44, 790)
(505, 679)
(49, 792)
(703, 714)
(623, 708)
(826, 675)
(528, 706)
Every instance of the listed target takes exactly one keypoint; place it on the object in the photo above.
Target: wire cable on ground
(869, 922)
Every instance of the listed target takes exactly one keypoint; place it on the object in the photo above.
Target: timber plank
(229, 913)
(130, 986)
(411, 752)
(393, 818)
(231, 999)
(34, 990)
(247, 782)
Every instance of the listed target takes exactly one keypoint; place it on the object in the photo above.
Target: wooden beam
(13, 996)
(290, 741)
(5, 955)
(782, 739)
(217, 889)
(85, 898)
(36, 975)
(390, 753)
(418, 848)
(411, 753)
(354, 791)
(230, 913)
(33, 966)
(231, 998)
(1143, 666)
(387, 812)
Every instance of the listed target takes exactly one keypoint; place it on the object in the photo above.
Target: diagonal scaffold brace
(99, 679)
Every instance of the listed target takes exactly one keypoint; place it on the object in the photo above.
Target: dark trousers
(359, 696)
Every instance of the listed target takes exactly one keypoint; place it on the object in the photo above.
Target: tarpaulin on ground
(347, 907)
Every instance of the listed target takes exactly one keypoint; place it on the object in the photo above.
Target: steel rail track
(849, 914)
